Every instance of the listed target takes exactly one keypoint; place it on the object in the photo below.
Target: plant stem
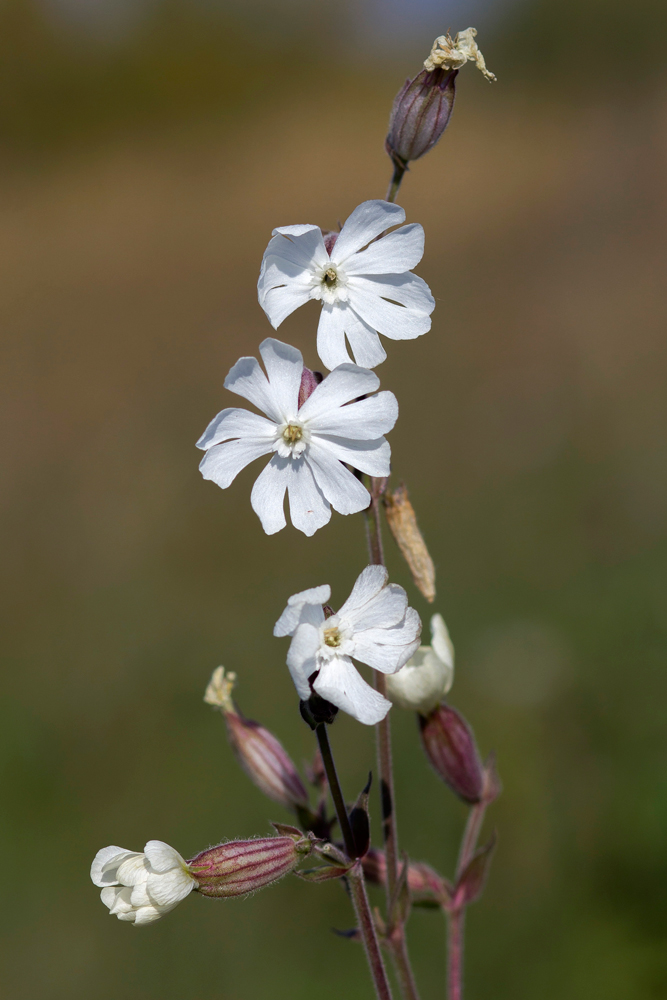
(399, 952)
(455, 926)
(470, 836)
(355, 875)
(395, 183)
(335, 789)
(355, 879)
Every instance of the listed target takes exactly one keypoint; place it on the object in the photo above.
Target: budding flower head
(242, 866)
(427, 676)
(260, 754)
(449, 744)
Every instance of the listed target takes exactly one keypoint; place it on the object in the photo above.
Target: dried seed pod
(402, 522)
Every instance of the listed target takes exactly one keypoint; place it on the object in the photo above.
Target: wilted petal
(366, 222)
(340, 683)
(397, 252)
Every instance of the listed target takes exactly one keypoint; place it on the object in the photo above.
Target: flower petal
(302, 657)
(408, 290)
(368, 584)
(366, 222)
(386, 659)
(340, 683)
(106, 863)
(394, 321)
(404, 633)
(223, 462)
(284, 366)
(345, 383)
(117, 898)
(340, 486)
(302, 244)
(236, 423)
(148, 915)
(268, 494)
(371, 457)
(247, 379)
(364, 420)
(393, 254)
(308, 505)
(170, 888)
(441, 643)
(161, 857)
(364, 341)
(133, 870)
(291, 616)
(331, 336)
(280, 301)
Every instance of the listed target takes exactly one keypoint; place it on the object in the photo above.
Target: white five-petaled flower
(309, 443)
(141, 887)
(428, 675)
(363, 291)
(375, 626)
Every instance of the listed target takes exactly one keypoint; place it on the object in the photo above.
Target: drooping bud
(242, 866)
(260, 754)
(402, 522)
(309, 383)
(420, 114)
(423, 881)
(427, 676)
(450, 746)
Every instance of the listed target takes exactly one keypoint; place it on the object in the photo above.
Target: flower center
(330, 277)
(332, 637)
(292, 434)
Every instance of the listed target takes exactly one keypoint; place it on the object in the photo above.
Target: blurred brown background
(146, 152)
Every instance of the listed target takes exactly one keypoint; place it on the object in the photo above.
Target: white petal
(277, 270)
(223, 462)
(393, 254)
(405, 633)
(421, 683)
(342, 385)
(301, 244)
(162, 857)
(441, 642)
(395, 322)
(268, 494)
(371, 457)
(386, 659)
(340, 486)
(308, 506)
(106, 862)
(109, 895)
(247, 379)
(384, 609)
(366, 222)
(170, 888)
(364, 341)
(370, 582)
(340, 683)
(236, 423)
(149, 914)
(302, 657)
(117, 898)
(409, 290)
(365, 420)
(284, 366)
(289, 619)
(280, 302)
(139, 895)
(331, 336)
(133, 870)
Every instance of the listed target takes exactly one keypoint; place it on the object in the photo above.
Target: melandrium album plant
(324, 438)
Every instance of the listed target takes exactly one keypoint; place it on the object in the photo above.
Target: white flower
(375, 626)
(427, 677)
(362, 290)
(453, 53)
(309, 443)
(141, 888)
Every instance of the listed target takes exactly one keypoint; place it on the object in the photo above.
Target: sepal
(470, 885)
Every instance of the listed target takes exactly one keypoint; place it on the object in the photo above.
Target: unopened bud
(450, 746)
(242, 866)
(309, 383)
(420, 114)
(260, 754)
(423, 881)
(402, 522)
(427, 676)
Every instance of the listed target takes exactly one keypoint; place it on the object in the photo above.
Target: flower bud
(309, 383)
(402, 522)
(260, 754)
(450, 746)
(423, 881)
(427, 676)
(242, 866)
(420, 114)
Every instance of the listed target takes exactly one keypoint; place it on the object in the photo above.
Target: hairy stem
(355, 879)
(335, 789)
(399, 952)
(395, 183)
(355, 876)
(455, 928)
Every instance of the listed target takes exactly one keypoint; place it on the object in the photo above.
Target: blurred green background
(146, 152)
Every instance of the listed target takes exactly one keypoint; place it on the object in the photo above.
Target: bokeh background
(146, 151)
